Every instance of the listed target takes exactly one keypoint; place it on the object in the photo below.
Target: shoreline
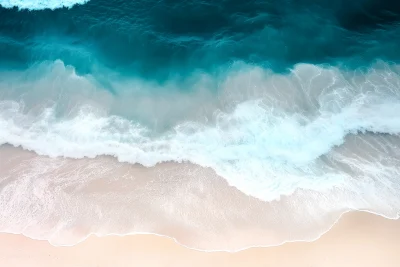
(358, 239)
(176, 241)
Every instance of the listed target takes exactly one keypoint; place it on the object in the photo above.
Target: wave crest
(41, 4)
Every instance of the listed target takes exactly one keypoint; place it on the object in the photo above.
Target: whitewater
(40, 4)
(265, 144)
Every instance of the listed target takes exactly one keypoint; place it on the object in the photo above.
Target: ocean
(206, 118)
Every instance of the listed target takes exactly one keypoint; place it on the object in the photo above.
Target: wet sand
(358, 239)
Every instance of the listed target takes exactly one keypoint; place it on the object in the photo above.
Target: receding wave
(40, 4)
(65, 200)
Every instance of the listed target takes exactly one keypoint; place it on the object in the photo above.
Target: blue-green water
(157, 39)
(274, 96)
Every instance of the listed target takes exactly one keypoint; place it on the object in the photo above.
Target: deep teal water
(156, 39)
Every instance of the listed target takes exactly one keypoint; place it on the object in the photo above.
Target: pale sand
(358, 239)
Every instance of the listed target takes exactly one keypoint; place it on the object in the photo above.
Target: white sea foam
(271, 141)
(41, 4)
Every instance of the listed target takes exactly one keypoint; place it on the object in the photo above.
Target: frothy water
(223, 125)
(40, 4)
(263, 144)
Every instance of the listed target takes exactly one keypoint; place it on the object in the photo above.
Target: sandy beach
(358, 239)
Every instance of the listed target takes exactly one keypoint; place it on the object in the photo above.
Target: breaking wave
(41, 4)
(272, 135)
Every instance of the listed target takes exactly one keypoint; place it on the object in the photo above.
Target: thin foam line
(203, 250)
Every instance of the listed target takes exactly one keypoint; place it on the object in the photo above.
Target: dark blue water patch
(367, 15)
(157, 39)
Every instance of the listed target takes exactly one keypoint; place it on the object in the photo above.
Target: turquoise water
(160, 39)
